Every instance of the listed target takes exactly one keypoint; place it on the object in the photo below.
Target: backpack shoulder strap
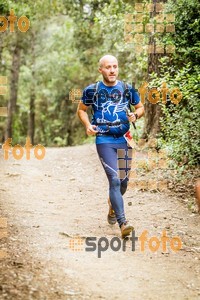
(126, 89)
(96, 87)
(128, 95)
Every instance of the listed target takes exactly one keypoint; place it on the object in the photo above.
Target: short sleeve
(135, 98)
(88, 95)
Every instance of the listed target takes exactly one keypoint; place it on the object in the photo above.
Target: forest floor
(53, 205)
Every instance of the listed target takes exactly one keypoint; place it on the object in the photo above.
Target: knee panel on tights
(115, 182)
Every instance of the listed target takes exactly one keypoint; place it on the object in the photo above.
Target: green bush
(180, 122)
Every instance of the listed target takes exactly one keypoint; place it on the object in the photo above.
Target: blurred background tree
(60, 52)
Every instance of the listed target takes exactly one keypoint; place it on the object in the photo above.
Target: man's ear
(99, 69)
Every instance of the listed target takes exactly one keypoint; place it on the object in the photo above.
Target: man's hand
(131, 117)
(90, 130)
(82, 113)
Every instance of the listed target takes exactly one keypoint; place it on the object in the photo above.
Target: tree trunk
(31, 121)
(152, 111)
(13, 90)
(1, 47)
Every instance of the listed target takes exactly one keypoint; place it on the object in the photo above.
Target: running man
(110, 100)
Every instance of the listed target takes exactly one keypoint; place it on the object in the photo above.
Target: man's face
(109, 70)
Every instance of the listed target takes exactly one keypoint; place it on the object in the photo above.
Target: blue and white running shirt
(109, 105)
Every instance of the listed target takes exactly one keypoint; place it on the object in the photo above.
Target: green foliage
(61, 50)
(187, 25)
(181, 123)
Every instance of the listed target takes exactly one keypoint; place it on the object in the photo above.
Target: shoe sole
(127, 231)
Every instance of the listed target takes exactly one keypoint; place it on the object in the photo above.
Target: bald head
(106, 59)
(108, 67)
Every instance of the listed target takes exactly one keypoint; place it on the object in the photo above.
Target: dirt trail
(49, 202)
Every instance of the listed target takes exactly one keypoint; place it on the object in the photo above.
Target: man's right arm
(83, 116)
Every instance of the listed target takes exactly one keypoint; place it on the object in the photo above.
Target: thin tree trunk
(31, 121)
(1, 46)
(152, 111)
(13, 90)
